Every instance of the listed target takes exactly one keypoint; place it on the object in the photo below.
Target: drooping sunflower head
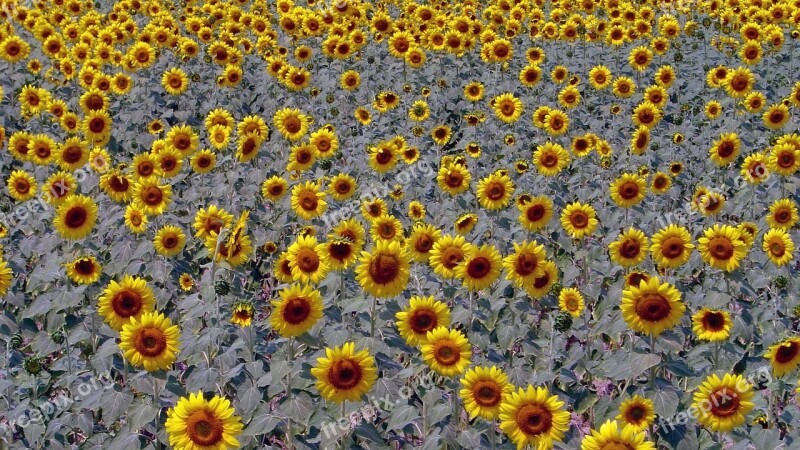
(611, 436)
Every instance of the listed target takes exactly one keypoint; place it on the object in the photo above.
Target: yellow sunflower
(422, 315)
(637, 413)
(84, 270)
(628, 190)
(578, 219)
(151, 341)
(536, 213)
(344, 374)
(652, 307)
(495, 191)
(721, 247)
(630, 248)
(723, 403)
(150, 197)
(21, 186)
(611, 437)
(672, 246)
(571, 301)
(308, 201)
(169, 240)
(75, 217)
(481, 267)
(447, 253)
(778, 246)
(6, 277)
(299, 308)
(242, 314)
(453, 178)
(542, 285)
(483, 391)
(307, 261)
(131, 297)
(507, 107)
(291, 123)
(531, 416)
(196, 423)
(525, 264)
(782, 214)
(446, 351)
(384, 271)
(712, 325)
(784, 357)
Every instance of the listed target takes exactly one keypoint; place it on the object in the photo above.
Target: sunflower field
(396, 224)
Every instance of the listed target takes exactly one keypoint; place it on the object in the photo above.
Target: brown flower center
(384, 268)
(579, 219)
(787, 352)
(629, 190)
(487, 393)
(451, 256)
(446, 352)
(672, 247)
(721, 248)
(653, 307)
(126, 303)
(150, 342)
(423, 320)
(152, 195)
(76, 217)
(345, 374)
(495, 190)
(630, 248)
(296, 310)
(204, 428)
(307, 260)
(714, 321)
(479, 267)
(534, 419)
(724, 402)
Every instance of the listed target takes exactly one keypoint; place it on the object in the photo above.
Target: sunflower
(75, 217)
(384, 272)
(117, 185)
(196, 423)
(541, 285)
(609, 436)
(569, 97)
(495, 191)
(422, 315)
(507, 107)
(169, 240)
(386, 227)
(211, 220)
(571, 300)
(623, 87)
(726, 149)
(350, 80)
(416, 210)
(776, 116)
(97, 127)
(308, 201)
(203, 161)
(652, 307)
(646, 114)
(600, 77)
(480, 268)
(234, 249)
(135, 219)
(344, 374)
(556, 122)
(782, 214)
(151, 341)
(84, 270)
(628, 190)
(242, 314)
(350, 229)
(40, 149)
(299, 308)
(723, 403)
(129, 298)
(453, 178)
(536, 214)
(712, 325)
(525, 264)
(530, 75)
(446, 351)
(483, 391)
(630, 248)
(637, 413)
(738, 82)
(578, 219)
(374, 208)
(291, 123)
(186, 282)
(784, 357)
(150, 197)
(274, 188)
(421, 241)
(533, 417)
(721, 247)
(672, 246)
(21, 185)
(550, 159)
(778, 246)
(784, 159)
(14, 49)
(447, 253)
(306, 260)
(6, 277)
(754, 102)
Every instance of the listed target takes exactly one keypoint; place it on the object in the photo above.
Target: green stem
(344, 415)
(372, 316)
(289, 393)
(157, 403)
(653, 368)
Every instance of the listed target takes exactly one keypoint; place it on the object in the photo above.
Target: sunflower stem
(158, 414)
(493, 432)
(716, 354)
(372, 316)
(653, 368)
(289, 393)
(344, 415)
(456, 412)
